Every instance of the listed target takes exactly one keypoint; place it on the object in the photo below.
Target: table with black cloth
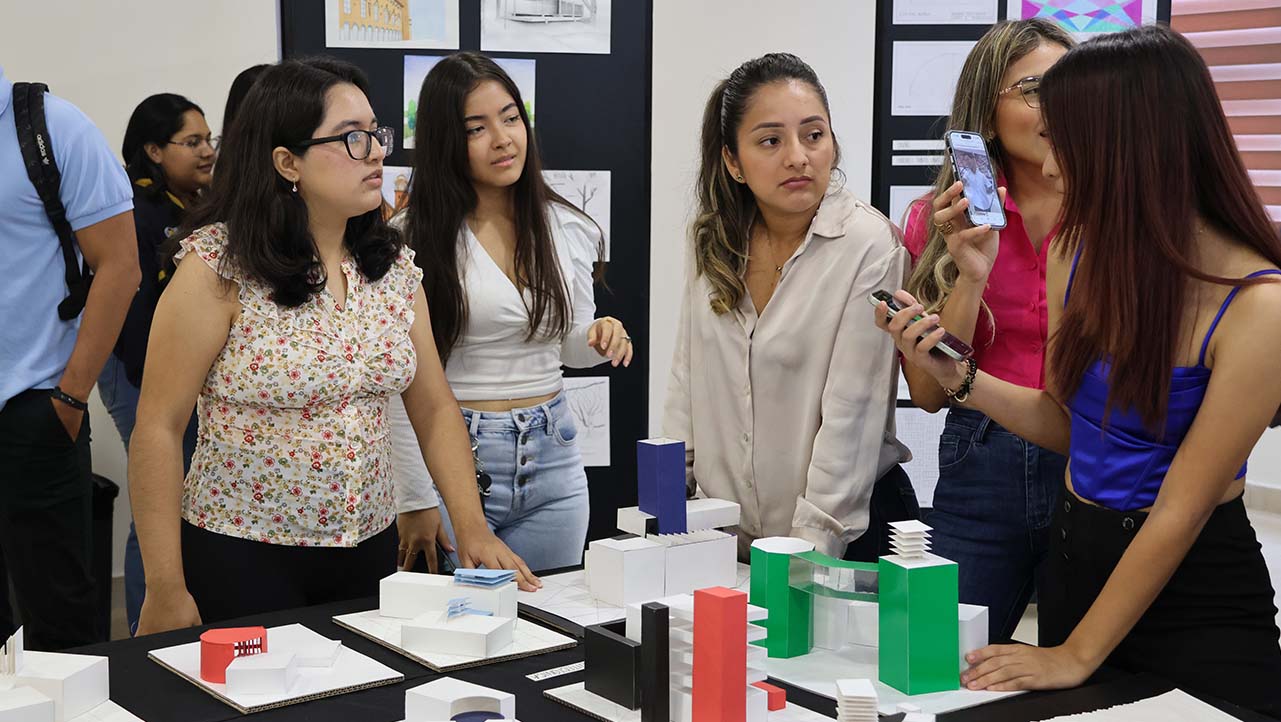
(155, 694)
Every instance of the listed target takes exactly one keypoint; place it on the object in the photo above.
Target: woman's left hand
(421, 532)
(1010, 667)
(610, 340)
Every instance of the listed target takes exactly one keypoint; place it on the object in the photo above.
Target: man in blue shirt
(48, 367)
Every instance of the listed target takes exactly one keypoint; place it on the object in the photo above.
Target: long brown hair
(1149, 152)
(441, 195)
(726, 209)
(974, 110)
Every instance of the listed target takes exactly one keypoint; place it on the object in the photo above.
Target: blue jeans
(537, 503)
(992, 510)
(121, 399)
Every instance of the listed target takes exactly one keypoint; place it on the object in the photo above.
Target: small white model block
(267, 673)
(830, 622)
(973, 630)
(698, 560)
(757, 703)
(407, 595)
(626, 570)
(910, 539)
(11, 655)
(319, 654)
(444, 698)
(468, 635)
(75, 682)
(673, 602)
(25, 704)
(864, 625)
(700, 514)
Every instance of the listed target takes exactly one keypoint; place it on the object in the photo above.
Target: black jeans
(46, 525)
(893, 499)
(1211, 630)
(231, 577)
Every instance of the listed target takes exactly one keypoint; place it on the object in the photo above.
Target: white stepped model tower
(910, 539)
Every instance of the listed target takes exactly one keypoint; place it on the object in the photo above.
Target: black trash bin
(105, 492)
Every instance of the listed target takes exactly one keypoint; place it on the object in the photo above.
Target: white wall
(695, 45)
(106, 56)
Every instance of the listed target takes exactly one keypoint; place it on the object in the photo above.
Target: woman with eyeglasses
(169, 155)
(509, 273)
(995, 491)
(294, 314)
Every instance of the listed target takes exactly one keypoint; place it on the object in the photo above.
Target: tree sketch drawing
(589, 191)
(588, 399)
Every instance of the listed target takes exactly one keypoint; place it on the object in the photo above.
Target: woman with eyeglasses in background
(995, 492)
(294, 317)
(169, 155)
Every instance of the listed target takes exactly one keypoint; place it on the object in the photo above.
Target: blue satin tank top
(1122, 466)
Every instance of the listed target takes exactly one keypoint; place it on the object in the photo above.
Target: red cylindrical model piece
(218, 647)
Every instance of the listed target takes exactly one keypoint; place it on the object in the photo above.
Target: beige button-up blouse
(792, 414)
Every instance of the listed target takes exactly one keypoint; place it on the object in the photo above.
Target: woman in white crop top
(508, 269)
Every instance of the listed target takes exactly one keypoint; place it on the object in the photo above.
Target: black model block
(612, 664)
(654, 683)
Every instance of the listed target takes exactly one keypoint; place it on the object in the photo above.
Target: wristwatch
(69, 400)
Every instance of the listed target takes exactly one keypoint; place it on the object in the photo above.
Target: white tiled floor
(1266, 524)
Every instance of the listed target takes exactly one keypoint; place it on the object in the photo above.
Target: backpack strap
(42, 169)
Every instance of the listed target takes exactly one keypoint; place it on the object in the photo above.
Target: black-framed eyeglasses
(1029, 88)
(193, 144)
(359, 142)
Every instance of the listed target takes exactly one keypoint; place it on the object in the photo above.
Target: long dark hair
(268, 237)
(1137, 176)
(441, 195)
(155, 120)
(726, 209)
(236, 96)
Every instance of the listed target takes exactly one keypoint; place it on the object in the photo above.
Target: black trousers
(46, 525)
(1211, 630)
(893, 499)
(231, 577)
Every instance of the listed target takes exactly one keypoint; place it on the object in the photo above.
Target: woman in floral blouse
(301, 316)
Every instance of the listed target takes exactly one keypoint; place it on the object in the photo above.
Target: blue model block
(660, 466)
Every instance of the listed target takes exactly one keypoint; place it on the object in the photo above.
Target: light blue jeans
(121, 399)
(537, 503)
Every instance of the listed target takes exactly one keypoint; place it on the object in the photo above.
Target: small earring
(295, 189)
(739, 177)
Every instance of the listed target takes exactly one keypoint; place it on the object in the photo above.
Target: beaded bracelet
(962, 394)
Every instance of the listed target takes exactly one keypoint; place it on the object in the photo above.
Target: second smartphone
(972, 165)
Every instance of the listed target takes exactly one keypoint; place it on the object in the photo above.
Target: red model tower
(218, 647)
(720, 655)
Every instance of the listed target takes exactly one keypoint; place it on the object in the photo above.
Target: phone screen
(973, 167)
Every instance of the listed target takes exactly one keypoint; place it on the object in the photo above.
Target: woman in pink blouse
(995, 491)
(299, 315)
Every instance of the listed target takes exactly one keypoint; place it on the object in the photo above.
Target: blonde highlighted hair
(974, 110)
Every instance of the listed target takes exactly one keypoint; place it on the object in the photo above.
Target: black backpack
(42, 169)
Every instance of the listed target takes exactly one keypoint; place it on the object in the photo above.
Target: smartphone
(949, 345)
(972, 165)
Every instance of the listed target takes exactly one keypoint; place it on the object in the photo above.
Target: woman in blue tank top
(1161, 376)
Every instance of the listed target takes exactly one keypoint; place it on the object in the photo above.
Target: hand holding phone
(949, 345)
(972, 165)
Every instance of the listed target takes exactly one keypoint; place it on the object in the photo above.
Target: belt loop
(981, 431)
(550, 426)
(474, 425)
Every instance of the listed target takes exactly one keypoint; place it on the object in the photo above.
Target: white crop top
(493, 358)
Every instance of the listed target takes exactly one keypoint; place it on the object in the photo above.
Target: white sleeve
(414, 490)
(581, 240)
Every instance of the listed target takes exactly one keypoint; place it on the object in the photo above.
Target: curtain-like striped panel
(1241, 42)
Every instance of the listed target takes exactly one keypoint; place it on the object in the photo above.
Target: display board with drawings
(590, 66)
(920, 48)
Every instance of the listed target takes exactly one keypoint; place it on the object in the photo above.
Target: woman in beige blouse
(780, 388)
(294, 314)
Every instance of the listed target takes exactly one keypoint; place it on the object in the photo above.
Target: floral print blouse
(293, 441)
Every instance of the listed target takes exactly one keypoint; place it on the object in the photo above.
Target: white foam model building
(442, 699)
(266, 673)
(423, 602)
(855, 701)
(49, 686)
(644, 565)
(406, 595)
